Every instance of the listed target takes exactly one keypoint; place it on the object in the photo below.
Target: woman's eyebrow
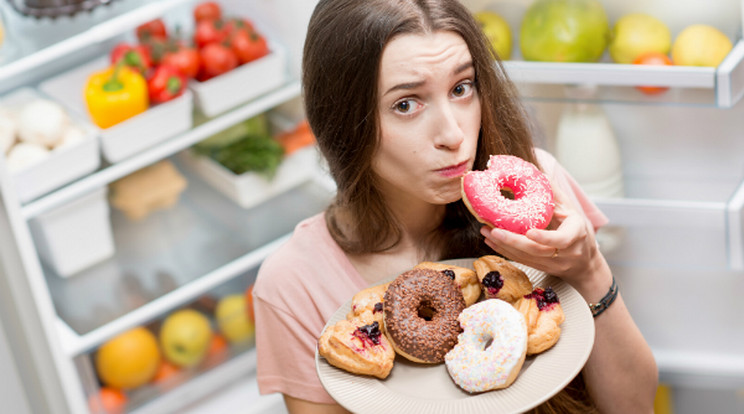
(411, 85)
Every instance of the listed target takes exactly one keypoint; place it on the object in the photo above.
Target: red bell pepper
(136, 57)
(165, 83)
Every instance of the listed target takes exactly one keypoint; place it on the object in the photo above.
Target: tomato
(154, 29)
(248, 46)
(216, 59)
(165, 83)
(136, 57)
(652, 58)
(185, 59)
(232, 25)
(209, 10)
(209, 31)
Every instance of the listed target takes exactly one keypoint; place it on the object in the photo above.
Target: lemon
(185, 336)
(497, 31)
(636, 34)
(700, 45)
(128, 360)
(233, 319)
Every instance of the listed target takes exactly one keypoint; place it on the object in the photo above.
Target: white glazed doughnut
(491, 349)
(532, 202)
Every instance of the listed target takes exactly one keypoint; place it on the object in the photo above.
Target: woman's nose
(448, 134)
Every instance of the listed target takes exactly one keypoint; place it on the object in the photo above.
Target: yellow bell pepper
(115, 94)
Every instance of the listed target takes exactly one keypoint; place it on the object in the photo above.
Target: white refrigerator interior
(675, 240)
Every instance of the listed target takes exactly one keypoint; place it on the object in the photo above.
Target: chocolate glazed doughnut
(421, 310)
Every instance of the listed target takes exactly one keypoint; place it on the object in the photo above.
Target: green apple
(233, 319)
(637, 34)
(185, 336)
(497, 31)
(564, 31)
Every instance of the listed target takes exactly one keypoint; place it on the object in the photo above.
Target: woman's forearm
(621, 373)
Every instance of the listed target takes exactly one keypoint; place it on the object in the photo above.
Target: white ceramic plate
(416, 388)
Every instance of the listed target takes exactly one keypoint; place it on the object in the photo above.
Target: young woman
(404, 98)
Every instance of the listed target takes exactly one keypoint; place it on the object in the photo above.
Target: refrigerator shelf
(173, 257)
(77, 34)
(165, 149)
(721, 87)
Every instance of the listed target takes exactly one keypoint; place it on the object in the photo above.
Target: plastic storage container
(76, 235)
(64, 164)
(241, 84)
(249, 189)
(133, 135)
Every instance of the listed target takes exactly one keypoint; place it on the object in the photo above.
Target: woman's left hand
(566, 249)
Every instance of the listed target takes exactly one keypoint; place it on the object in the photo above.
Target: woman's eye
(462, 89)
(405, 106)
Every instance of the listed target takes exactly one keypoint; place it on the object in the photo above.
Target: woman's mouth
(454, 170)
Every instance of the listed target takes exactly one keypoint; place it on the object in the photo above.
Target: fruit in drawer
(128, 360)
(700, 45)
(232, 319)
(497, 31)
(108, 401)
(564, 31)
(185, 336)
(636, 34)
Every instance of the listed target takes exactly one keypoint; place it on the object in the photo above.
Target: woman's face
(429, 117)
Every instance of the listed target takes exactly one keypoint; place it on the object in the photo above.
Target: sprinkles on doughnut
(531, 205)
(491, 349)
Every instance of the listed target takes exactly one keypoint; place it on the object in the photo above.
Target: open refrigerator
(677, 231)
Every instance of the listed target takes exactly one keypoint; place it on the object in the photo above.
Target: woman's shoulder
(308, 259)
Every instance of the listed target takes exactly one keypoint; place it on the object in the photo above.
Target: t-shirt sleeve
(281, 342)
(561, 178)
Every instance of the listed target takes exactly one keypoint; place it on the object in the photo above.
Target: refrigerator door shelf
(663, 220)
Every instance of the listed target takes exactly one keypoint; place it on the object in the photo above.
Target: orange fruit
(652, 58)
(108, 400)
(217, 351)
(168, 376)
(128, 360)
(165, 372)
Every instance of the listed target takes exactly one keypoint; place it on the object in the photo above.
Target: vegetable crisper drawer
(675, 233)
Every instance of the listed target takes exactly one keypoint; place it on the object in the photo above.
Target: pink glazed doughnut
(532, 203)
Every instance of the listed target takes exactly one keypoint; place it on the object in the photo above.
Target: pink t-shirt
(306, 280)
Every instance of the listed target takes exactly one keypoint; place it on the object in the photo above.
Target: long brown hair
(341, 61)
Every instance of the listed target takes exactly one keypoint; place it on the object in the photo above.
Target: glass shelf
(33, 44)
(174, 256)
(719, 87)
